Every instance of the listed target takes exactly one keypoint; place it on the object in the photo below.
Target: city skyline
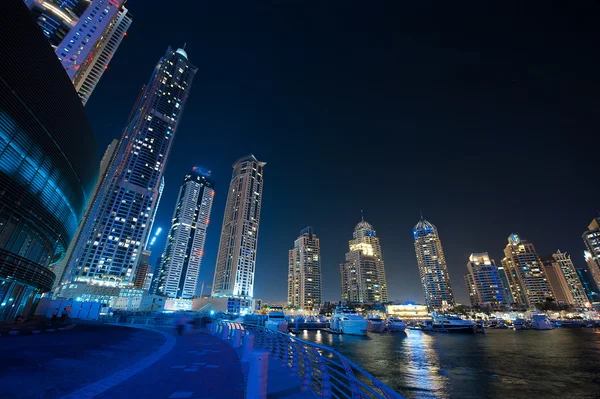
(237, 113)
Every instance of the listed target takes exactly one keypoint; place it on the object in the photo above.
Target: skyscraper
(48, 162)
(236, 259)
(121, 217)
(105, 163)
(564, 280)
(432, 266)
(85, 35)
(363, 273)
(304, 271)
(591, 239)
(526, 277)
(184, 248)
(484, 282)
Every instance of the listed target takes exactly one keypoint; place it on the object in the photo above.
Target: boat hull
(397, 327)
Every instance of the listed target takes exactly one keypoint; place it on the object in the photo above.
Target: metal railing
(323, 370)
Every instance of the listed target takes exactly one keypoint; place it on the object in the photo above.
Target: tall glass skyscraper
(122, 214)
(363, 273)
(184, 248)
(236, 260)
(484, 282)
(526, 277)
(85, 35)
(432, 266)
(304, 271)
(591, 239)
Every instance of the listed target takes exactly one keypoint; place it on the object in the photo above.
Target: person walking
(181, 323)
(64, 315)
(55, 314)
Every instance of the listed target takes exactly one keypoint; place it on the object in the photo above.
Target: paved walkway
(199, 366)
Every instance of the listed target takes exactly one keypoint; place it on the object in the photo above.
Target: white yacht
(346, 321)
(541, 322)
(449, 323)
(276, 320)
(395, 324)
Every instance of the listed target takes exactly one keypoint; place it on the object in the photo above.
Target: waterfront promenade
(96, 360)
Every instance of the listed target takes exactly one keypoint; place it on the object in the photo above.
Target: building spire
(362, 217)
(421, 212)
(184, 44)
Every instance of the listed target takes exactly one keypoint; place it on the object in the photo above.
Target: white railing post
(225, 332)
(237, 337)
(257, 375)
(248, 347)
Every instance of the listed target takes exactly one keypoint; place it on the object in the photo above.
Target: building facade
(433, 269)
(142, 271)
(105, 163)
(591, 239)
(589, 285)
(304, 272)
(564, 280)
(184, 248)
(236, 259)
(122, 215)
(48, 163)
(526, 276)
(85, 35)
(363, 273)
(484, 282)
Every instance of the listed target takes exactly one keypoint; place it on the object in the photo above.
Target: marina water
(560, 363)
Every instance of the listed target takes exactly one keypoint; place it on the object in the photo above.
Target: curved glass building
(48, 161)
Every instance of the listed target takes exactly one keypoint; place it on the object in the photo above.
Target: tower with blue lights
(433, 269)
(484, 282)
(184, 249)
(123, 213)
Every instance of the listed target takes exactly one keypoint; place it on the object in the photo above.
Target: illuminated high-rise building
(236, 259)
(564, 280)
(363, 273)
(484, 282)
(184, 249)
(122, 215)
(105, 163)
(304, 271)
(591, 239)
(85, 35)
(432, 266)
(526, 277)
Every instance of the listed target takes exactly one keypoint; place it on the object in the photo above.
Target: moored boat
(448, 323)
(276, 320)
(541, 322)
(395, 324)
(376, 325)
(520, 324)
(347, 321)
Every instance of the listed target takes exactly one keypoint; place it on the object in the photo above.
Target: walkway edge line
(107, 383)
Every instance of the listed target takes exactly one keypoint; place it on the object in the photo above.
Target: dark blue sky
(486, 118)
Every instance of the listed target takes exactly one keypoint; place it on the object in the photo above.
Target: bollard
(237, 337)
(257, 375)
(225, 333)
(248, 347)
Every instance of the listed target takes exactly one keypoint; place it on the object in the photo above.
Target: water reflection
(499, 364)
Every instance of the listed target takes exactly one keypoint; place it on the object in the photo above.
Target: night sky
(485, 118)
